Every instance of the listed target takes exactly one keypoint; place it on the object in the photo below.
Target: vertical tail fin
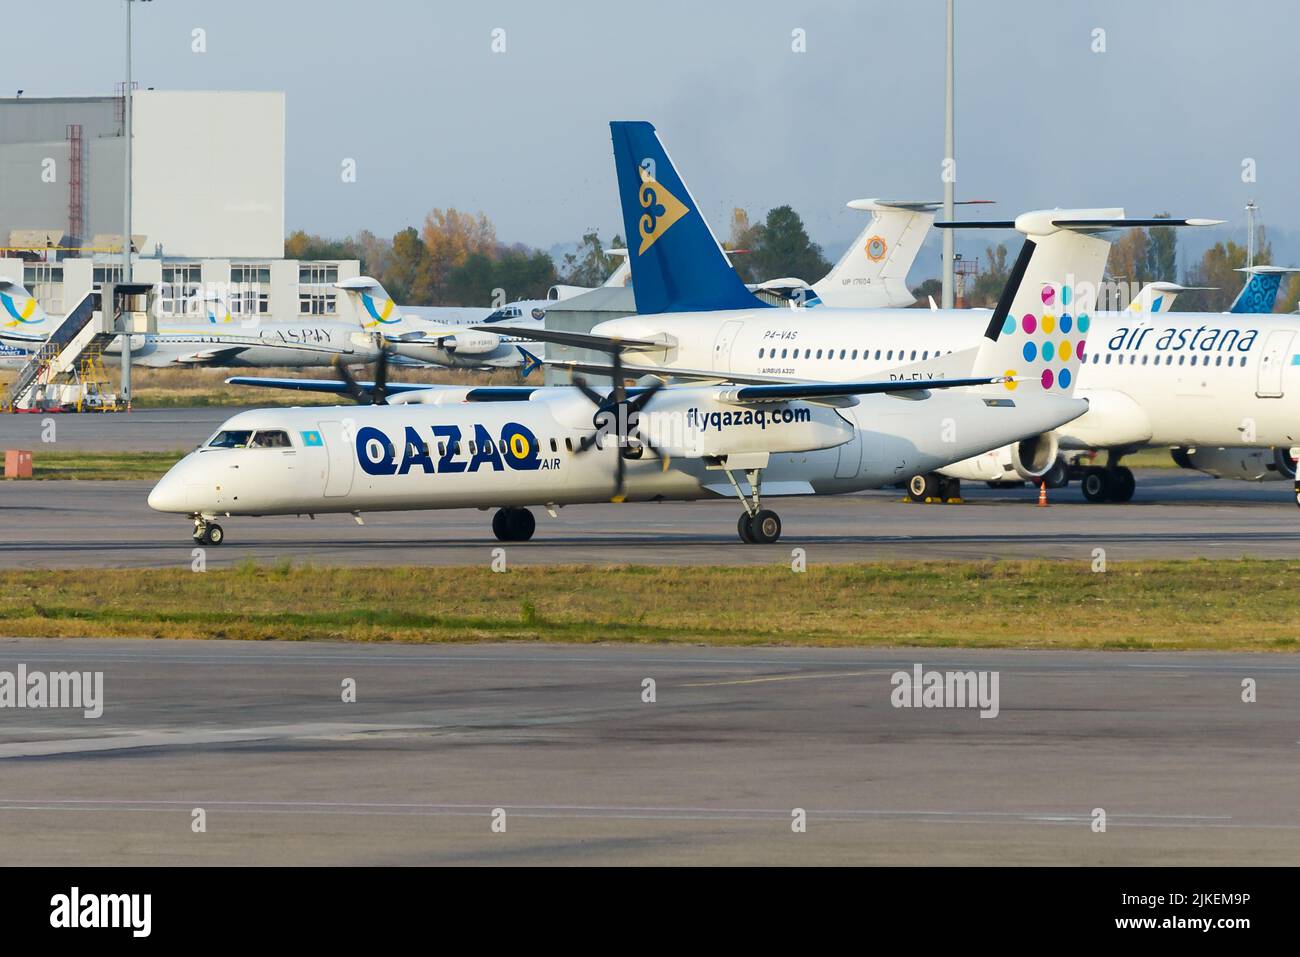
(1157, 296)
(21, 316)
(872, 273)
(1038, 330)
(371, 303)
(677, 264)
(1259, 295)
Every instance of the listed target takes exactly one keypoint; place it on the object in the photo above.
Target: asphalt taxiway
(560, 739)
(1174, 515)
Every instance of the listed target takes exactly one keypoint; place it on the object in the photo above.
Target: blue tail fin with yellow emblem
(677, 264)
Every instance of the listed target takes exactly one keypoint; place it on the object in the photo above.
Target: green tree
(525, 274)
(589, 266)
(989, 284)
(744, 238)
(783, 249)
(1288, 299)
(301, 245)
(1162, 252)
(1218, 269)
(923, 292)
(406, 269)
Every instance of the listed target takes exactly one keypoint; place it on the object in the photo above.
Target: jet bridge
(77, 344)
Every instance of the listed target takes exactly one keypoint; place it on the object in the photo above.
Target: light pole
(949, 168)
(1251, 209)
(126, 217)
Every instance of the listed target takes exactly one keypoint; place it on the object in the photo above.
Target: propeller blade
(379, 394)
(581, 385)
(358, 394)
(619, 475)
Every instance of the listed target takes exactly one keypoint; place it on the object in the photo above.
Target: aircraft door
(1276, 348)
(340, 462)
(722, 345)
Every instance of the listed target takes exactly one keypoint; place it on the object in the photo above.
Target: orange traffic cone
(1042, 494)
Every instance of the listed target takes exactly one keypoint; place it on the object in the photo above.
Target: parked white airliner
(312, 342)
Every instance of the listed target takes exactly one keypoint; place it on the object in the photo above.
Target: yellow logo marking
(662, 209)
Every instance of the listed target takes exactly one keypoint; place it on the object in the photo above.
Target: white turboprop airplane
(24, 327)
(444, 447)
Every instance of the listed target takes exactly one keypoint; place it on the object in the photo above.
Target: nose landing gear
(208, 533)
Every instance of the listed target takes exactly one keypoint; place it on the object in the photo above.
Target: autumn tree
(1218, 269)
(744, 236)
(450, 238)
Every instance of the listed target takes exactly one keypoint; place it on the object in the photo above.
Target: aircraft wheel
(513, 524)
(1122, 484)
(522, 525)
(765, 527)
(743, 529)
(1058, 476)
(923, 486)
(1297, 495)
(213, 534)
(1096, 484)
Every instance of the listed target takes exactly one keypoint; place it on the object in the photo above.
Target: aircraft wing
(702, 375)
(579, 340)
(20, 336)
(338, 387)
(210, 355)
(827, 390)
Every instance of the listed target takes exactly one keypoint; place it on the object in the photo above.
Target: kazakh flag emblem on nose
(311, 438)
(660, 210)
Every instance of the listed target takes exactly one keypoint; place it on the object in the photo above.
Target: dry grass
(1211, 605)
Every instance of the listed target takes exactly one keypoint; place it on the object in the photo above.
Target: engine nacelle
(472, 343)
(1244, 464)
(1026, 461)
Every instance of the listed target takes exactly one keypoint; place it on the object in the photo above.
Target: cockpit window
(231, 439)
(271, 439)
(509, 312)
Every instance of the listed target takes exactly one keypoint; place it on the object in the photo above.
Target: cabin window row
(1131, 359)
(787, 353)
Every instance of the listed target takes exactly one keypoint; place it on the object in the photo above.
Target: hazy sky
(1162, 120)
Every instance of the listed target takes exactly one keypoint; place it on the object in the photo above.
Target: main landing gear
(513, 524)
(933, 487)
(757, 525)
(208, 533)
(1114, 483)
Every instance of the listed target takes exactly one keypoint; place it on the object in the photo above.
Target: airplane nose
(168, 495)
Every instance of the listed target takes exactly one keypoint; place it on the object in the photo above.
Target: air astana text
(1204, 338)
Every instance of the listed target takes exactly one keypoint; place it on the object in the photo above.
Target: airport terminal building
(207, 203)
